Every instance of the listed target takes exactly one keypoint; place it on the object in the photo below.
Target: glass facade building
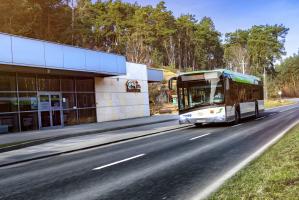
(38, 101)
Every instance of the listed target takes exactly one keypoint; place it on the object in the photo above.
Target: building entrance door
(50, 110)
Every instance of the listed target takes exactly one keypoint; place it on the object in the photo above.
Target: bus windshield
(200, 93)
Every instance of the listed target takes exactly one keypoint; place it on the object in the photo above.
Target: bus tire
(237, 117)
(198, 125)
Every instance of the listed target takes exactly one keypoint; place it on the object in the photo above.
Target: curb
(35, 142)
(90, 147)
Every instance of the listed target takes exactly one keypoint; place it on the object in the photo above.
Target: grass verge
(274, 175)
(275, 103)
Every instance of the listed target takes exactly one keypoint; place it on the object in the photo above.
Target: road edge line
(206, 192)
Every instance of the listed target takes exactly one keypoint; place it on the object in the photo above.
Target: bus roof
(235, 76)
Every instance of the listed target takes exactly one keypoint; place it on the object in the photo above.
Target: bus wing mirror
(171, 82)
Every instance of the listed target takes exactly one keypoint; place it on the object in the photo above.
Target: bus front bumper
(202, 120)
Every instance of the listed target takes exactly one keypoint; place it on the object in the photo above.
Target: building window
(67, 85)
(26, 82)
(70, 117)
(87, 115)
(9, 123)
(28, 101)
(48, 83)
(29, 121)
(8, 102)
(7, 81)
(85, 85)
(68, 100)
(86, 100)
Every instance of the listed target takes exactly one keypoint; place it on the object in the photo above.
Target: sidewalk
(74, 144)
(25, 139)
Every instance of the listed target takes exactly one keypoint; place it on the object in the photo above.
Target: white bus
(217, 96)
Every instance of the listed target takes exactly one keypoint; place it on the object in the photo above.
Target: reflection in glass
(48, 83)
(86, 100)
(7, 81)
(29, 121)
(68, 100)
(85, 85)
(70, 117)
(67, 85)
(26, 82)
(87, 115)
(45, 119)
(28, 101)
(44, 102)
(9, 123)
(55, 101)
(8, 102)
(56, 118)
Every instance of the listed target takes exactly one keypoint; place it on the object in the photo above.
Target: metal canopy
(21, 51)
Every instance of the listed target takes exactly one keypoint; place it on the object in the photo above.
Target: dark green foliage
(259, 47)
(144, 34)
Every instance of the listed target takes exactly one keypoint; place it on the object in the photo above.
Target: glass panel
(85, 85)
(28, 101)
(29, 121)
(70, 117)
(8, 102)
(67, 85)
(87, 115)
(26, 82)
(86, 100)
(7, 81)
(48, 83)
(55, 101)
(56, 118)
(44, 102)
(202, 93)
(45, 119)
(68, 100)
(9, 123)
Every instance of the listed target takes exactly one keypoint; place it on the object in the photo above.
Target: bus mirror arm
(170, 82)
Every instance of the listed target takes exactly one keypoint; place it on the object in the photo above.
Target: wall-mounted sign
(133, 86)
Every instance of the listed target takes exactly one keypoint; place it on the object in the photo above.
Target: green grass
(274, 175)
(275, 103)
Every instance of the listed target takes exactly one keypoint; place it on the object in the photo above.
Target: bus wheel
(237, 117)
(198, 125)
(256, 115)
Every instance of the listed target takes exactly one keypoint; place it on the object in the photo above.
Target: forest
(154, 36)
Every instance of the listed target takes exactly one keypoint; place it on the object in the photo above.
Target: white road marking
(120, 161)
(194, 138)
(272, 114)
(260, 118)
(215, 185)
(236, 125)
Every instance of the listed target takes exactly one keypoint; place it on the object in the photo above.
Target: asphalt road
(178, 164)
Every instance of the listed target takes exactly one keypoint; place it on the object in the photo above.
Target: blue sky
(228, 15)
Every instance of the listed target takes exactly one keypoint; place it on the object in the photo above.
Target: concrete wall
(114, 102)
